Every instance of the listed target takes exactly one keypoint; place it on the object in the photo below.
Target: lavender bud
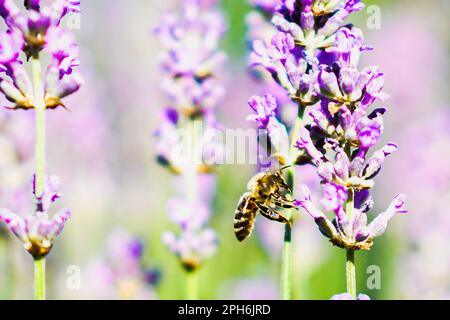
(328, 84)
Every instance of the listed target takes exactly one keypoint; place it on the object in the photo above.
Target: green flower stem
(192, 285)
(40, 151)
(192, 167)
(39, 279)
(286, 256)
(286, 264)
(39, 102)
(192, 196)
(351, 273)
(350, 259)
(40, 125)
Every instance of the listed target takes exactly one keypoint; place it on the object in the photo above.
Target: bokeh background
(103, 149)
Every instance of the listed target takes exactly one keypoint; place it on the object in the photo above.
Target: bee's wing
(244, 218)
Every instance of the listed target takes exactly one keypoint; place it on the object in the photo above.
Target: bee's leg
(278, 197)
(272, 214)
(285, 205)
(282, 202)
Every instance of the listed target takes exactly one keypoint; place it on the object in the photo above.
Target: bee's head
(280, 180)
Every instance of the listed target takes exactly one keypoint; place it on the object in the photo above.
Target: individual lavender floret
(265, 116)
(31, 31)
(196, 242)
(264, 108)
(192, 247)
(37, 231)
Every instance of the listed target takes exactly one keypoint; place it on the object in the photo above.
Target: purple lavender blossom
(300, 56)
(334, 198)
(30, 31)
(192, 246)
(352, 232)
(301, 40)
(264, 107)
(38, 231)
(196, 242)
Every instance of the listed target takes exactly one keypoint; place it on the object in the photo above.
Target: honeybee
(266, 194)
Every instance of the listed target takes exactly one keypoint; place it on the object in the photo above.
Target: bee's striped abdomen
(244, 218)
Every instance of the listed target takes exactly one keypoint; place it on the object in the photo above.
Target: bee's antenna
(286, 167)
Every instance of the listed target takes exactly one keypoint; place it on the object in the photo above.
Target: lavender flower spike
(312, 56)
(191, 63)
(349, 176)
(345, 124)
(32, 31)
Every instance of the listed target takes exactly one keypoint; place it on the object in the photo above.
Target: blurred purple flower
(187, 215)
(192, 41)
(192, 246)
(268, 6)
(120, 273)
